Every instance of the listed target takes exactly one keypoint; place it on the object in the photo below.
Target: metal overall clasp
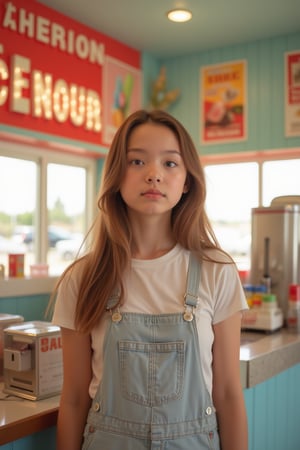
(190, 304)
(116, 316)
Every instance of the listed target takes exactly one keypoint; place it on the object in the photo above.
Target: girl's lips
(153, 193)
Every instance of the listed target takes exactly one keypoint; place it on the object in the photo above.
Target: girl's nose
(153, 179)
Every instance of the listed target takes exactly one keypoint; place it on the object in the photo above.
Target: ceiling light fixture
(179, 15)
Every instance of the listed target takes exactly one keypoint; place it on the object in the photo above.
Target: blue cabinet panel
(44, 440)
(273, 409)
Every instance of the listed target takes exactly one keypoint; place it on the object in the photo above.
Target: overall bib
(152, 394)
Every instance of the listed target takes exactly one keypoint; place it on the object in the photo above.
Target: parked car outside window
(55, 234)
(69, 249)
(10, 246)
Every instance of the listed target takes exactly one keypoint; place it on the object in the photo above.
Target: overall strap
(113, 299)
(193, 281)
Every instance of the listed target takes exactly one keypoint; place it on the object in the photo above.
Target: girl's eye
(171, 164)
(136, 162)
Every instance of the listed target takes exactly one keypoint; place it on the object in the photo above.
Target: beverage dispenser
(275, 247)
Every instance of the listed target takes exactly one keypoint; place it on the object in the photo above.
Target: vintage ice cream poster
(292, 93)
(223, 90)
(122, 91)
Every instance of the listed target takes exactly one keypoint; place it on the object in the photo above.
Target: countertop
(20, 417)
(262, 356)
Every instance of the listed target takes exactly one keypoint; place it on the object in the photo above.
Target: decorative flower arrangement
(161, 97)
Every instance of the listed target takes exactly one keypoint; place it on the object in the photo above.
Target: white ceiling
(142, 24)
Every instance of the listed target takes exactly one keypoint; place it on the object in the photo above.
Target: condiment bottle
(257, 298)
(293, 313)
(269, 301)
(248, 290)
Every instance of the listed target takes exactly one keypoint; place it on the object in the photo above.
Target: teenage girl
(150, 317)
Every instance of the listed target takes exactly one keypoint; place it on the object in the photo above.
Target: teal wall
(273, 409)
(265, 60)
(44, 440)
(150, 67)
(30, 307)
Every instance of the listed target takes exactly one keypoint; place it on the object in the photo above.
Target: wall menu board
(292, 93)
(52, 75)
(223, 107)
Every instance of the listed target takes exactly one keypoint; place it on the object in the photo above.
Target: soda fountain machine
(275, 247)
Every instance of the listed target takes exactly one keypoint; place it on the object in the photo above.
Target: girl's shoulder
(215, 256)
(73, 274)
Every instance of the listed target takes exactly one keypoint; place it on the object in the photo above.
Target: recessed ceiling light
(179, 15)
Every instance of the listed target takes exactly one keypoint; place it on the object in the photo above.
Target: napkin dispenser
(32, 363)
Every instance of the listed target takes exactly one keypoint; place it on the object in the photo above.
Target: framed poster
(223, 102)
(122, 90)
(292, 93)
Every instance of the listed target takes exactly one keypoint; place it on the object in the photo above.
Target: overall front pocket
(151, 373)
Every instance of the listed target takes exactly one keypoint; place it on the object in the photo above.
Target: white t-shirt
(157, 286)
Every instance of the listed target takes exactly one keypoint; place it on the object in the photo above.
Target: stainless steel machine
(275, 247)
(6, 320)
(33, 360)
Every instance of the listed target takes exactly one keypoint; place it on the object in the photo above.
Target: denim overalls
(152, 394)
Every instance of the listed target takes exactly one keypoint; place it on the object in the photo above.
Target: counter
(20, 417)
(261, 357)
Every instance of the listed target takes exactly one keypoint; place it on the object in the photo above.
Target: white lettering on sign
(50, 33)
(4, 75)
(19, 67)
(47, 98)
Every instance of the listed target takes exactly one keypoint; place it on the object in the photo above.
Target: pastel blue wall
(30, 307)
(265, 60)
(273, 409)
(150, 67)
(44, 440)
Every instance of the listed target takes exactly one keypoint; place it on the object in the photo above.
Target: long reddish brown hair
(110, 254)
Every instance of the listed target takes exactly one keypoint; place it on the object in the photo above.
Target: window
(280, 178)
(44, 212)
(243, 182)
(232, 190)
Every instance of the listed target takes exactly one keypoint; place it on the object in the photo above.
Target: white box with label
(33, 360)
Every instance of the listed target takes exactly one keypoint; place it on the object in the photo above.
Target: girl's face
(155, 177)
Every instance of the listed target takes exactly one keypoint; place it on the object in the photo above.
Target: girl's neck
(151, 239)
(151, 252)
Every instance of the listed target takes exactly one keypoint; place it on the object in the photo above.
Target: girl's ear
(186, 186)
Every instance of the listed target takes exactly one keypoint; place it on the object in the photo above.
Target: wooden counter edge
(29, 425)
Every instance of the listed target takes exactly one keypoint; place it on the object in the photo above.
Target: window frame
(259, 157)
(42, 157)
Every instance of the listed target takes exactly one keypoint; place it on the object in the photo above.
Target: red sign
(292, 93)
(51, 72)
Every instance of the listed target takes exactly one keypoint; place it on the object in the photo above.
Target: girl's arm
(227, 391)
(75, 400)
